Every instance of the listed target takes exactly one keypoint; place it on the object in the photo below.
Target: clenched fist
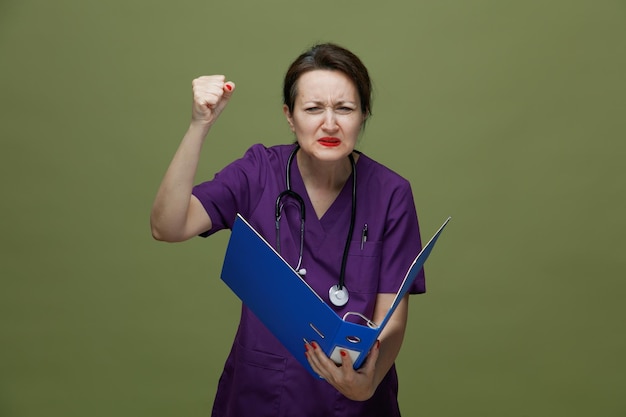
(210, 96)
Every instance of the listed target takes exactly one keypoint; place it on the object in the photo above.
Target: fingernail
(306, 346)
(378, 344)
(229, 87)
(314, 345)
(343, 353)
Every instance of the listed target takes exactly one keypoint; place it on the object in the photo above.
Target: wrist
(199, 128)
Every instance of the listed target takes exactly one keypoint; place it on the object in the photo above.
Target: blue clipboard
(259, 276)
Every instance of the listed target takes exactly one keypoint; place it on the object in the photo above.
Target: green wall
(508, 116)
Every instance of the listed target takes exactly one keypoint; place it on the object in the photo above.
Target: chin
(332, 154)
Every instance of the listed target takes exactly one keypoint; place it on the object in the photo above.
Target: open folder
(289, 307)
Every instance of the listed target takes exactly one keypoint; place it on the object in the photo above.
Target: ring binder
(303, 315)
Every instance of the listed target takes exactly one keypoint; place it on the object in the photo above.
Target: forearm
(390, 339)
(390, 344)
(171, 206)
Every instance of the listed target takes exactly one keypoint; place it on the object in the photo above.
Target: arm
(176, 214)
(360, 384)
(392, 335)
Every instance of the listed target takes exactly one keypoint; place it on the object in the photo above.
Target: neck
(327, 175)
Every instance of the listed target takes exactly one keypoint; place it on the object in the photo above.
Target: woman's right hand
(210, 96)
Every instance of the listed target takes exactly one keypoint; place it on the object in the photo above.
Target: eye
(344, 110)
(313, 109)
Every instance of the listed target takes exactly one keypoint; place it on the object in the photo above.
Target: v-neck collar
(333, 217)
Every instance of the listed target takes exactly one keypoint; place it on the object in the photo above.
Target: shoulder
(375, 174)
(260, 157)
(268, 154)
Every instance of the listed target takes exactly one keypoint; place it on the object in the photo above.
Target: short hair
(329, 56)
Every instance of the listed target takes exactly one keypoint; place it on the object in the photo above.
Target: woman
(353, 205)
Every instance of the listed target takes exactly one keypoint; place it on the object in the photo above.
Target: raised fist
(210, 96)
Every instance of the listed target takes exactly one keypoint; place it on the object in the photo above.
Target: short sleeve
(234, 189)
(401, 242)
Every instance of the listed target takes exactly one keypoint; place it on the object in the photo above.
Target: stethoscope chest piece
(338, 296)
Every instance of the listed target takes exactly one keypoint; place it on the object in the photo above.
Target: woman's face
(327, 116)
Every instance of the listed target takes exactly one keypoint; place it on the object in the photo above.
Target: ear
(288, 116)
(364, 120)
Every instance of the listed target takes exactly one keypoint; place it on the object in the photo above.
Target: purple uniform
(261, 378)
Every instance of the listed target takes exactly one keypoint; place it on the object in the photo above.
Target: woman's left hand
(357, 385)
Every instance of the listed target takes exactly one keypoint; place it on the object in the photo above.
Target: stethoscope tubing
(346, 250)
(289, 192)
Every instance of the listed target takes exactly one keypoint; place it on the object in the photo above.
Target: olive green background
(509, 116)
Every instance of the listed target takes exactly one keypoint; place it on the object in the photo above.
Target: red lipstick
(329, 141)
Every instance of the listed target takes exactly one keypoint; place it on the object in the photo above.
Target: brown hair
(329, 56)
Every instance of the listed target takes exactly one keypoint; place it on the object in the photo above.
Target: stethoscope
(338, 293)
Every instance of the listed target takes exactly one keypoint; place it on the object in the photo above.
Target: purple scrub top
(261, 378)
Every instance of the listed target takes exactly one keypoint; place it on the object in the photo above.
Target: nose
(330, 120)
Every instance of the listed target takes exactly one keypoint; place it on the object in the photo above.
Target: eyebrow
(340, 102)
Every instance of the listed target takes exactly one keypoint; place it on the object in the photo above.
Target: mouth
(330, 142)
